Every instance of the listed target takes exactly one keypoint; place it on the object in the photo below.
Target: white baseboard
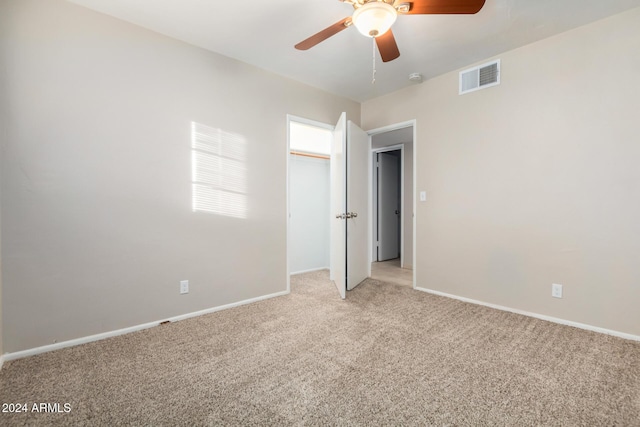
(309, 271)
(536, 315)
(97, 337)
(1, 361)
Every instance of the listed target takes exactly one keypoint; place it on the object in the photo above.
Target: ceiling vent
(480, 77)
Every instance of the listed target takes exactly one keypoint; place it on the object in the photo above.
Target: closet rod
(315, 156)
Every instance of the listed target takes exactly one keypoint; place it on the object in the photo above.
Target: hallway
(390, 271)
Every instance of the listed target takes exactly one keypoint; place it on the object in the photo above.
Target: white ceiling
(263, 33)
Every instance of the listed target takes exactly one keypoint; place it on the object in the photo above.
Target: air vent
(483, 76)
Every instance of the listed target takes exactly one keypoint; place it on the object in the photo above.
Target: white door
(358, 149)
(338, 166)
(388, 206)
(349, 203)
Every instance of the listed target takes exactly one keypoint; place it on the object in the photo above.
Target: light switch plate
(556, 290)
(423, 196)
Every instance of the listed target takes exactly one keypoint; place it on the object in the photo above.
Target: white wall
(97, 220)
(309, 203)
(534, 181)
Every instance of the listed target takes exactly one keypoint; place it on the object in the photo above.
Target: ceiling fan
(374, 18)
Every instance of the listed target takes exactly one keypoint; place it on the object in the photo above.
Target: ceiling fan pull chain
(373, 79)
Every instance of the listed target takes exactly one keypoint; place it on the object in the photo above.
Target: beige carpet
(388, 355)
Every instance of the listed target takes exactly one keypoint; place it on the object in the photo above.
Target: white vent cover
(480, 77)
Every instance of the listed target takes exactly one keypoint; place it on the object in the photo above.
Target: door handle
(397, 212)
(347, 215)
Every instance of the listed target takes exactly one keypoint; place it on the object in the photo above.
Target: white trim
(370, 199)
(389, 128)
(536, 315)
(287, 200)
(414, 147)
(302, 120)
(402, 205)
(1, 361)
(311, 270)
(104, 335)
(389, 148)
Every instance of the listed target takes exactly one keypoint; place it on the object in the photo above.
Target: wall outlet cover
(184, 286)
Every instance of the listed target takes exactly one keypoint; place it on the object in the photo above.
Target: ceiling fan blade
(324, 34)
(423, 7)
(387, 46)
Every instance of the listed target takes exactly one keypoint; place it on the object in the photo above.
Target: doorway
(387, 206)
(308, 194)
(393, 201)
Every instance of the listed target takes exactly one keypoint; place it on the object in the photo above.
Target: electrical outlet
(556, 290)
(184, 286)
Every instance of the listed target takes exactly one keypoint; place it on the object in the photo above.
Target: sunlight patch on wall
(219, 182)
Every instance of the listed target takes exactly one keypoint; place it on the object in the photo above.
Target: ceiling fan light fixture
(373, 19)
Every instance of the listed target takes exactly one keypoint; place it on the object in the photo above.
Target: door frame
(302, 120)
(374, 200)
(385, 129)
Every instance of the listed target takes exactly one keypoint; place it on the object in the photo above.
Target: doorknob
(347, 215)
(397, 211)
